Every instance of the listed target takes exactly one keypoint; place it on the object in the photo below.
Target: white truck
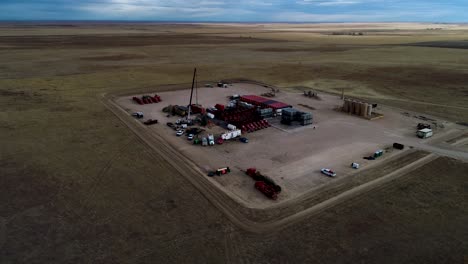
(211, 141)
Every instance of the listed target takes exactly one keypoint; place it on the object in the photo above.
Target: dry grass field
(78, 187)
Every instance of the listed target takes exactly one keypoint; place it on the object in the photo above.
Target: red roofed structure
(263, 102)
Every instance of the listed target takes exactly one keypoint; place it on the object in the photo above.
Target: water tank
(210, 115)
(231, 127)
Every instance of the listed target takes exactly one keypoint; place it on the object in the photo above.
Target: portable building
(424, 133)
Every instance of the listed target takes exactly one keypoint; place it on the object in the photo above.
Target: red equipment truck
(264, 184)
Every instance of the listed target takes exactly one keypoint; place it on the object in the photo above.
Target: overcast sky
(238, 10)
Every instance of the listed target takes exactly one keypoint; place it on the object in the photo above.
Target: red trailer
(264, 184)
(268, 190)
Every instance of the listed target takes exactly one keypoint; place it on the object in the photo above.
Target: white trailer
(231, 134)
(424, 133)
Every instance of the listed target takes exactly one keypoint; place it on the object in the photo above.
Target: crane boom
(191, 93)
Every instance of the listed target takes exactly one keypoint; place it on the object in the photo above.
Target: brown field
(79, 187)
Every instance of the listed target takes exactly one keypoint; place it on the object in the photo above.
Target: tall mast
(191, 93)
(196, 90)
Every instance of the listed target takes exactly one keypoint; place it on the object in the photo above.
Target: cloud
(238, 10)
(329, 2)
(309, 17)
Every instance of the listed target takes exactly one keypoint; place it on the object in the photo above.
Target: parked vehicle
(423, 126)
(244, 140)
(211, 141)
(190, 137)
(398, 146)
(328, 172)
(179, 133)
(355, 165)
(264, 184)
(150, 122)
(204, 141)
(378, 153)
(222, 171)
(270, 191)
(138, 115)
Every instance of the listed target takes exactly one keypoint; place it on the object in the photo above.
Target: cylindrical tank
(369, 110)
(231, 127)
(210, 115)
(363, 109)
(345, 105)
(356, 108)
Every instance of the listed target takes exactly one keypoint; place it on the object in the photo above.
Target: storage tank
(356, 108)
(346, 105)
(231, 127)
(369, 110)
(210, 115)
(363, 109)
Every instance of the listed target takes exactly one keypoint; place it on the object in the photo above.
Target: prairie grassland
(77, 186)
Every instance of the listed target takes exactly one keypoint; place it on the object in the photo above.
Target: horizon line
(210, 21)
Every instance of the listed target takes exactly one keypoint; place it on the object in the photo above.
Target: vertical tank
(369, 110)
(363, 109)
(356, 108)
(346, 105)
